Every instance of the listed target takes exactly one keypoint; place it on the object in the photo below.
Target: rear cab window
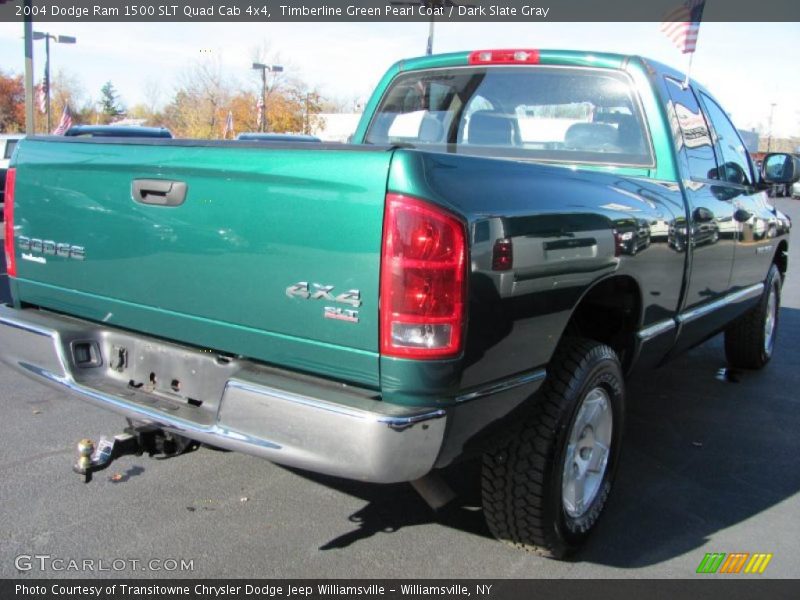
(544, 113)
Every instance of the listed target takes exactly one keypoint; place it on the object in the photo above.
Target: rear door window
(734, 159)
(691, 131)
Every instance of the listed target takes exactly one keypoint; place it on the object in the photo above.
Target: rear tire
(750, 340)
(546, 482)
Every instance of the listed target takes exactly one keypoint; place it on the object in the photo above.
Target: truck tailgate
(218, 269)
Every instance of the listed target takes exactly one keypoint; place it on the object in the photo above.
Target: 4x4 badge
(323, 292)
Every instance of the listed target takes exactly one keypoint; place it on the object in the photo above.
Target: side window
(418, 111)
(690, 131)
(734, 161)
(10, 145)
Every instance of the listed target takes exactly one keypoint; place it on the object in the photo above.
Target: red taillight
(422, 280)
(8, 215)
(502, 255)
(619, 244)
(504, 57)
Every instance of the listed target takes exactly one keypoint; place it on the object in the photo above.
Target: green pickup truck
(508, 235)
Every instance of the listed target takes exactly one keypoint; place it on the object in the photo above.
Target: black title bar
(260, 11)
(697, 588)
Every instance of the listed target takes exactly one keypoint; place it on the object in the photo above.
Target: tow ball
(135, 441)
(93, 458)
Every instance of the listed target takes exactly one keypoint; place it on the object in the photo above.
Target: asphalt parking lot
(710, 464)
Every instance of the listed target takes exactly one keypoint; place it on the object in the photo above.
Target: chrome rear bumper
(235, 404)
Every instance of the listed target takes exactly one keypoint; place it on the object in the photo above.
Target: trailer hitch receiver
(136, 440)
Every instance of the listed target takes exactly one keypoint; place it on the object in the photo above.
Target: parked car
(277, 137)
(118, 131)
(448, 286)
(704, 229)
(796, 190)
(7, 144)
(632, 235)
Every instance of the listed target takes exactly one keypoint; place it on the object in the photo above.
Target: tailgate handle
(160, 192)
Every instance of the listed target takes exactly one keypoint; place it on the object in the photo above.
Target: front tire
(750, 340)
(546, 482)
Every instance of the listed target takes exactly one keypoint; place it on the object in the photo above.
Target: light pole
(264, 68)
(29, 128)
(58, 39)
(307, 119)
(769, 136)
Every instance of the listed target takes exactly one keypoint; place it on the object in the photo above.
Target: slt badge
(323, 292)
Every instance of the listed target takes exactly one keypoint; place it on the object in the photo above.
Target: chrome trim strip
(696, 313)
(656, 329)
(652, 331)
(399, 423)
(504, 385)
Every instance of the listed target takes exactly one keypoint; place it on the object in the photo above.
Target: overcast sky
(747, 66)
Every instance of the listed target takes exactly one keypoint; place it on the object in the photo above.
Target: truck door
(755, 224)
(708, 232)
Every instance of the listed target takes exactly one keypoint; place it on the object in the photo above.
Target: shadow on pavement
(702, 452)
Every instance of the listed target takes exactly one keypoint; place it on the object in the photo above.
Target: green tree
(111, 108)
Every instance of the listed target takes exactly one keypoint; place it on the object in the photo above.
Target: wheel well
(781, 260)
(610, 313)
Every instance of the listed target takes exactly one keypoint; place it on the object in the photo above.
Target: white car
(796, 189)
(7, 145)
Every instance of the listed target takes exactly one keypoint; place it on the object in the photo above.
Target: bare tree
(151, 89)
(202, 95)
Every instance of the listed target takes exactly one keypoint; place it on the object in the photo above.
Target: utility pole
(307, 120)
(769, 137)
(263, 100)
(47, 79)
(29, 128)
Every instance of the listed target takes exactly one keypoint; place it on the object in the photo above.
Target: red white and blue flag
(682, 25)
(65, 122)
(41, 96)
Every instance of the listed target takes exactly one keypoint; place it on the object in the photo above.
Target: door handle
(742, 215)
(159, 192)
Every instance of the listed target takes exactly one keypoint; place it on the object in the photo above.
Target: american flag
(682, 25)
(228, 126)
(65, 122)
(41, 96)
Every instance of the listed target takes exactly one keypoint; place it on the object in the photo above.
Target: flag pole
(688, 71)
